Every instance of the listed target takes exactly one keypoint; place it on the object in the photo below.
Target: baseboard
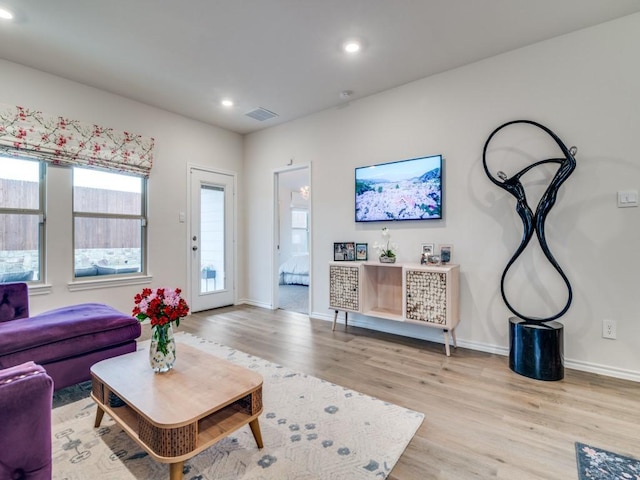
(253, 303)
(605, 370)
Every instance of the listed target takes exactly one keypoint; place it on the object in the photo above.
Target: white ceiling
(281, 55)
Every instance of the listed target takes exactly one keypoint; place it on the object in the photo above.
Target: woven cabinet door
(426, 296)
(344, 284)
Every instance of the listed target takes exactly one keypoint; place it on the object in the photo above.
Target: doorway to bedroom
(293, 239)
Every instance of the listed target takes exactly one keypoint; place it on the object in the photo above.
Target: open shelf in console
(382, 290)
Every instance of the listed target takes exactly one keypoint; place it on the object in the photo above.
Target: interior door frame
(234, 252)
(276, 232)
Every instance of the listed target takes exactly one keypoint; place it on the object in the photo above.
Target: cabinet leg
(335, 318)
(446, 343)
(453, 336)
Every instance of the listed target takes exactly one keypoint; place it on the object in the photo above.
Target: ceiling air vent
(261, 114)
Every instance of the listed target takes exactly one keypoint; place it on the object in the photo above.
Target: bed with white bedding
(295, 271)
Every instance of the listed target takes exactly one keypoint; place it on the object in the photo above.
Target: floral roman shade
(32, 134)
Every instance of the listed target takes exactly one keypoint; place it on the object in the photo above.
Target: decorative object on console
(344, 251)
(445, 253)
(162, 307)
(361, 251)
(531, 334)
(386, 249)
(433, 259)
(427, 249)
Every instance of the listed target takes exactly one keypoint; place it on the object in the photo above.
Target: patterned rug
(597, 464)
(311, 429)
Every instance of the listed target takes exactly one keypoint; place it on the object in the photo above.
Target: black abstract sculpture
(534, 222)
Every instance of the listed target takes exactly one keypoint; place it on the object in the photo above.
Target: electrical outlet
(609, 329)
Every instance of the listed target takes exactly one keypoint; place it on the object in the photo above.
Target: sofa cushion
(65, 332)
(14, 301)
(25, 415)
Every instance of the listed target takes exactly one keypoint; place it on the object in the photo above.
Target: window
(21, 220)
(109, 217)
(299, 231)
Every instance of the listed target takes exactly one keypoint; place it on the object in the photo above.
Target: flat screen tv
(403, 190)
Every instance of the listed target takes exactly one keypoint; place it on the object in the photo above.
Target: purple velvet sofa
(25, 422)
(66, 341)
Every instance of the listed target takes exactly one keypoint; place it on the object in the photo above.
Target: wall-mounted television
(403, 190)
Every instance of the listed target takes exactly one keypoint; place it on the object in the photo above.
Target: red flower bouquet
(163, 307)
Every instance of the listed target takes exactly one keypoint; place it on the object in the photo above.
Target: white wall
(584, 87)
(178, 142)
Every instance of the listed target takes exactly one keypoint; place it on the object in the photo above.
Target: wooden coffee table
(178, 414)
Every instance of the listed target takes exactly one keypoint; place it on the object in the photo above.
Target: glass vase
(162, 352)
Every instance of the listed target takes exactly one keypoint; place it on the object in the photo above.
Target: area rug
(311, 429)
(597, 464)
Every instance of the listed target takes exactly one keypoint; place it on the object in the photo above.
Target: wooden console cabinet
(421, 294)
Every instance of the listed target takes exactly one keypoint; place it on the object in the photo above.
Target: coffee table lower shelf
(175, 444)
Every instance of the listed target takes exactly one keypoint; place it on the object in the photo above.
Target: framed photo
(361, 251)
(428, 249)
(351, 251)
(344, 252)
(445, 253)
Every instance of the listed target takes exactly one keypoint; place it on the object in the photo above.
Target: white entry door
(212, 226)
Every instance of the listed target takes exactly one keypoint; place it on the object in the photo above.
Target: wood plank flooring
(482, 421)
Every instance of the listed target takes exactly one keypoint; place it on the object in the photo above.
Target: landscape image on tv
(403, 190)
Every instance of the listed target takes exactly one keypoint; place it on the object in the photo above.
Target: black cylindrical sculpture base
(536, 350)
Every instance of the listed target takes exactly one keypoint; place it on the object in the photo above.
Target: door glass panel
(212, 234)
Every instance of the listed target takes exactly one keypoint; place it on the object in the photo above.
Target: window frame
(111, 278)
(304, 229)
(40, 212)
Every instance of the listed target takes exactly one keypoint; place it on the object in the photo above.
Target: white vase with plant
(386, 250)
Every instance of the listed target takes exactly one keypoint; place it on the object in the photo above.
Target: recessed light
(227, 103)
(5, 14)
(352, 46)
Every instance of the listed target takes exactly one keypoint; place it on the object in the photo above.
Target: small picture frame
(344, 252)
(433, 260)
(446, 251)
(362, 251)
(428, 249)
(351, 251)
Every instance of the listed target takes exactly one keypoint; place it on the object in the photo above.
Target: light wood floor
(482, 421)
